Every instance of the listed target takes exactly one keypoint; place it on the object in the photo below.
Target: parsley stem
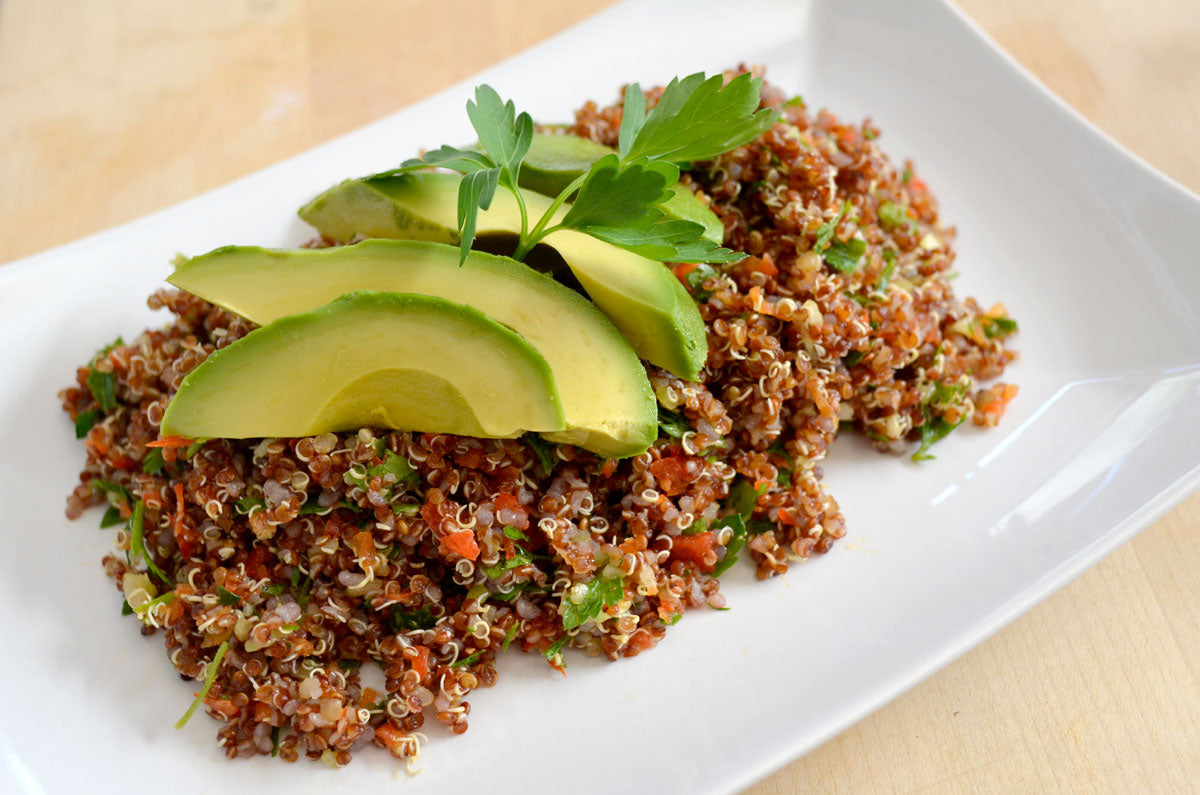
(526, 244)
(210, 676)
(524, 212)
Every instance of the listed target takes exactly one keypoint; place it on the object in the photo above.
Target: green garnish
(301, 589)
(697, 527)
(276, 734)
(743, 498)
(194, 448)
(246, 505)
(115, 492)
(795, 102)
(601, 592)
(275, 589)
(146, 607)
(892, 215)
(933, 431)
(672, 424)
(404, 621)
(397, 466)
(126, 610)
(210, 676)
(514, 533)
(465, 661)
(508, 636)
(154, 462)
(137, 543)
(226, 597)
(852, 358)
(520, 558)
(85, 422)
(1001, 327)
(825, 231)
(885, 276)
(349, 665)
(617, 199)
(736, 542)
(543, 450)
(695, 282)
(844, 257)
(936, 427)
(111, 517)
(556, 648)
(103, 387)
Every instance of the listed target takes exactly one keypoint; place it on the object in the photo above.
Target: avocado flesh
(640, 296)
(607, 402)
(555, 161)
(391, 360)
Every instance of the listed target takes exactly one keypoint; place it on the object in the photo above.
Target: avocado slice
(555, 161)
(606, 397)
(390, 360)
(641, 297)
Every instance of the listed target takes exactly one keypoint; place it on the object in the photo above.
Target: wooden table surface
(111, 109)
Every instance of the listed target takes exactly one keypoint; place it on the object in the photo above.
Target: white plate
(1092, 251)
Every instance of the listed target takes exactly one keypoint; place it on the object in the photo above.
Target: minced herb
(672, 424)
(601, 592)
(210, 676)
(154, 462)
(543, 450)
(844, 257)
(1001, 327)
(465, 661)
(226, 597)
(736, 542)
(85, 421)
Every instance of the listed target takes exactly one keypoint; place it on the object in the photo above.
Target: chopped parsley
(844, 257)
(407, 620)
(275, 589)
(889, 268)
(226, 597)
(825, 231)
(508, 636)
(514, 533)
(852, 358)
(556, 648)
(743, 498)
(115, 492)
(154, 462)
(85, 421)
(126, 610)
(543, 450)
(137, 543)
(210, 676)
(349, 665)
(795, 102)
(1001, 327)
(104, 388)
(111, 517)
(892, 215)
(695, 282)
(736, 542)
(276, 734)
(520, 558)
(601, 592)
(246, 505)
(672, 424)
(936, 426)
(465, 661)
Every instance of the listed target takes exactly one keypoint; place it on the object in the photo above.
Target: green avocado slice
(555, 161)
(641, 297)
(607, 402)
(390, 360)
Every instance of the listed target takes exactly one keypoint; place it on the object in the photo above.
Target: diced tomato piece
(694, 549)
(462, 542)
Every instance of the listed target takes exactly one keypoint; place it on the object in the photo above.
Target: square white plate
(1092, 251)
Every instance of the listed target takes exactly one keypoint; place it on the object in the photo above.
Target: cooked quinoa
(294, 562)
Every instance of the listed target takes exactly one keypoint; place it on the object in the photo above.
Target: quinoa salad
(278, 570)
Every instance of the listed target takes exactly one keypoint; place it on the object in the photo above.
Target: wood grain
(111, 109)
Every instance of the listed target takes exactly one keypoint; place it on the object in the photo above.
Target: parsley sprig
(618, 199)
